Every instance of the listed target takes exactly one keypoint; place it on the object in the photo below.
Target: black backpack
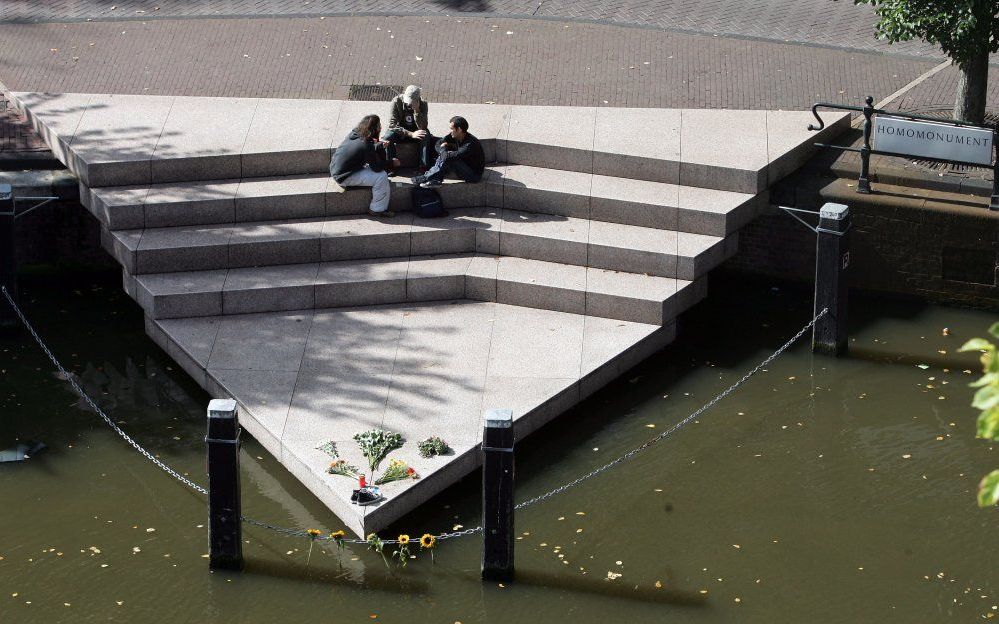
(427, 203)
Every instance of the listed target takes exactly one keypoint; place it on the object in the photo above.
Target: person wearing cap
(408, 123)
(459, 153)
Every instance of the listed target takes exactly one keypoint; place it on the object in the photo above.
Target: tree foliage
(987, 400)
(962, 28)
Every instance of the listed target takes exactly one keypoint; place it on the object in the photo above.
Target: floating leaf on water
(922, 366)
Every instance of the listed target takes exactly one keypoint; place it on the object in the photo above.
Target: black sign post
(497, 496)
(8, 257)
(866, 150)
(225, 542)
(832, 259)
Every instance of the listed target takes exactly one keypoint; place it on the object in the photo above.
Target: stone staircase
(621, 217)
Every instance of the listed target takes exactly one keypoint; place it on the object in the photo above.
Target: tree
(987, 400)
(966, 30)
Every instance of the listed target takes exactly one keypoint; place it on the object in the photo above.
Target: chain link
(170, 471)
(443, 536)
(86, 397)
(676, 427)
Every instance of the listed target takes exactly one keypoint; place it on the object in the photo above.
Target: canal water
(824, 490)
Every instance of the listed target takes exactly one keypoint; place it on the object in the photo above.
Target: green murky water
(825, 490)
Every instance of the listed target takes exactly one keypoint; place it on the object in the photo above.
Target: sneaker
(384, 214)
(368, 496)
(431, 184)
(418, 180)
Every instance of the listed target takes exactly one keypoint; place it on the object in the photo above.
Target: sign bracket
(866, 150)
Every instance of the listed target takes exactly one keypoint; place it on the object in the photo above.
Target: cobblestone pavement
(460, 59)
(16, 135)
(836, 23)
(455, 58)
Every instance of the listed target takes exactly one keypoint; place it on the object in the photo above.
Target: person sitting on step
(408, 123)
(459, 153)
(361, 160)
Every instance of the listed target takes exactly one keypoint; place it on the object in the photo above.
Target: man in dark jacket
(408, 123)
(361, 161)
(459, 153)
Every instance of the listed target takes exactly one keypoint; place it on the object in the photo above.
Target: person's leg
(381, 192)
(427, 153)
(463, 172)
(395, 135)
(381, 188)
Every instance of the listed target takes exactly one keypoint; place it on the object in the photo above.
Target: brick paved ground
(16, 136)
(837, 23)
(465, 59)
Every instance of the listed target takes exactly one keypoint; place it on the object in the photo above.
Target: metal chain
(443, 536)
(170, 471)
(300, 533)
(665, 434)
(86, 397)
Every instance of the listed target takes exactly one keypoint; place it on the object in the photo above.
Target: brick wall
(909, 242)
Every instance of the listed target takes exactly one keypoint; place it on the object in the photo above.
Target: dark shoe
(431, 184)
(418, 180)
(353, 497)
(368, 496)
(384, 214)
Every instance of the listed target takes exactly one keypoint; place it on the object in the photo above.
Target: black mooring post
(864, 183)
(832, 260)
(8, 257)
(225, 536)
(497, 496)
(994, 204)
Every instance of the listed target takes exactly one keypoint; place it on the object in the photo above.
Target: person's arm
(463, 149)
(442, 145)
(371, 156)
(395, 117)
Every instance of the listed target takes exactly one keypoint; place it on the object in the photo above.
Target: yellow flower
(371, 536)
(428, 541)
(403, 539)
(314, 533)
(337, 535)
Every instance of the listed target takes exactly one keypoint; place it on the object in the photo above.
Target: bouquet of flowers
(340, 467)
(397, 471)
(329, 448)
(376, 444)
(433, 446)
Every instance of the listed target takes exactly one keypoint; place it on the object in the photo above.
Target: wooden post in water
(497, 496)
(8, 258)
(225, 536)
(832, 260)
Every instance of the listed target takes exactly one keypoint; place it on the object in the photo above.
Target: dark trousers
(453, 165)
(427, 155)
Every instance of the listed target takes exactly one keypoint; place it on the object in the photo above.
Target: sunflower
(428, 541)
(337, 535)
(314, 533)
(403, 539)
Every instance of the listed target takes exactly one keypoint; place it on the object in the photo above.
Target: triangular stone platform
(268, 283)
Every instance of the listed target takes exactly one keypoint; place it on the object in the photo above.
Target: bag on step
(427, 203)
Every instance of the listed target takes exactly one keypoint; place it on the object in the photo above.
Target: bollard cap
(222, 408)
(836, 212)
(499, 418)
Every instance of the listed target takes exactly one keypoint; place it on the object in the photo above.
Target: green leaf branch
(986, 399)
